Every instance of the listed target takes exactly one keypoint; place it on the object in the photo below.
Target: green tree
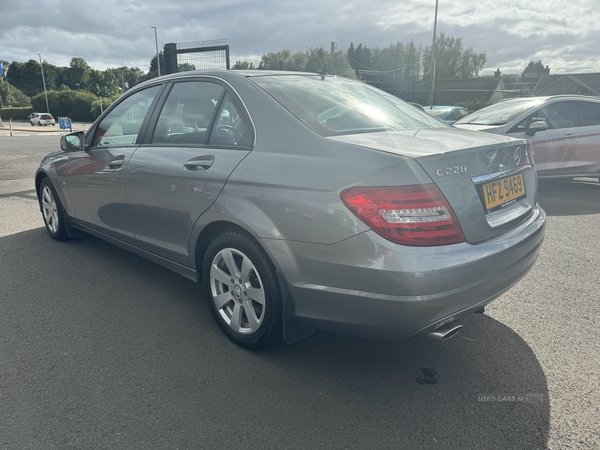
(360, 57)
(133, 76)
(154, 65)
(243, 65)
(104, 84)
(451, 61)
(275, 60)
(76, 73)
(185, 67)
(26, 76)
(317, 58)
(535, 65)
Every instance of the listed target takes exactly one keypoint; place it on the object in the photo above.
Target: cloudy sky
(564, 35)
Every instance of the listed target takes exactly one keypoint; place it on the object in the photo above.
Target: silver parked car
(564, 131)
(447, 114)
(302, 202)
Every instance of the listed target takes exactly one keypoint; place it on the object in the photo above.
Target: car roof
(226, 75)
(548, 98)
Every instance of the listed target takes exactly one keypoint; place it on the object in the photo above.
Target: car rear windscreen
(335, 106)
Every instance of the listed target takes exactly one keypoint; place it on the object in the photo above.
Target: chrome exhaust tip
(445, 332)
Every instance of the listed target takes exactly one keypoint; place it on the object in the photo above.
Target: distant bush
(67, 103)
(15, 113)
(106, 102)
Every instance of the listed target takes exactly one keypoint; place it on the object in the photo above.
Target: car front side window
(555, 115)
(121, 126)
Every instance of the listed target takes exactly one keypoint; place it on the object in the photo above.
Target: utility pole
(157, 55)
(122, 77)
(331, 58)
(44, 83)
(432, 70)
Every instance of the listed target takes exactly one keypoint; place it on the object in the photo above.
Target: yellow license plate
(500, 192)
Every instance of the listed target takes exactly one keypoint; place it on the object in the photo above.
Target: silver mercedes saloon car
(302, 202)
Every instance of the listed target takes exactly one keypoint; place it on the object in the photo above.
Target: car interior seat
(196, 114)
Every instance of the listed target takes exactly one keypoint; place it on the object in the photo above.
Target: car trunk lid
(488, 180)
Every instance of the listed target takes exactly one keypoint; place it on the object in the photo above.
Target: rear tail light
(408, 215)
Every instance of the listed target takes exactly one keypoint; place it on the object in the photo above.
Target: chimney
(497, 73)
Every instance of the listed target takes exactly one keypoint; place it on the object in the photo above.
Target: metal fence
(201, 55)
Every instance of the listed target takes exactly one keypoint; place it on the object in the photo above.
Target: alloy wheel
(50, 210)
(237, 291)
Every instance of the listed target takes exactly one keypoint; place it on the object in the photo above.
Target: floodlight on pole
(44, 83)
(432, 69)
(157, 55)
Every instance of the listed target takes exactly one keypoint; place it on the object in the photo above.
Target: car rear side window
(230, 128)
(589, 114)
(122, 125)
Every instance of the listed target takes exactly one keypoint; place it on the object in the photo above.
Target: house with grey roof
(494, 88)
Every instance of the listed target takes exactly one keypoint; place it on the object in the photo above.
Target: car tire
(32, 124)
(242, 289)
(52, 211)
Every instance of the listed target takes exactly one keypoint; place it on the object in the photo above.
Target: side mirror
(535, 127)
(72, 142)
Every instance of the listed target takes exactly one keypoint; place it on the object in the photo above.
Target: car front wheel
(52, 211)
(242, 290)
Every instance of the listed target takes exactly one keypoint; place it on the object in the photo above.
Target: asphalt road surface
(102, 349)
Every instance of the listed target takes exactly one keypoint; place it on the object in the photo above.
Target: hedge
(15, 113)
(74, 104)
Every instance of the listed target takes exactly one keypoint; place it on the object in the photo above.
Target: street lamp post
(44, 83)
(432, 70)
(100, 97)
(157, 55)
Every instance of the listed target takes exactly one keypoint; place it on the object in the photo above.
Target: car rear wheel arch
(206, 236)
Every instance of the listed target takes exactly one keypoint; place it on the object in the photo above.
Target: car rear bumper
(369, 287)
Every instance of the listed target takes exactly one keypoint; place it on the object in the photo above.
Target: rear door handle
(200, 162)
(569, 135)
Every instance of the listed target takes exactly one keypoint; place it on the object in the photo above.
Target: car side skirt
(177, 268)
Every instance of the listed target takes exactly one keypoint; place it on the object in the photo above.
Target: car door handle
(115, 163)
(569, 135)
(200, 163)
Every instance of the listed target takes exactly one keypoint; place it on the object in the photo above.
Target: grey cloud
(108, 32)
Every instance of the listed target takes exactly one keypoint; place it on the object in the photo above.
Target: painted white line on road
(16, 181)
(20, 134)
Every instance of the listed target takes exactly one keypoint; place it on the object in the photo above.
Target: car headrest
(197, 112)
